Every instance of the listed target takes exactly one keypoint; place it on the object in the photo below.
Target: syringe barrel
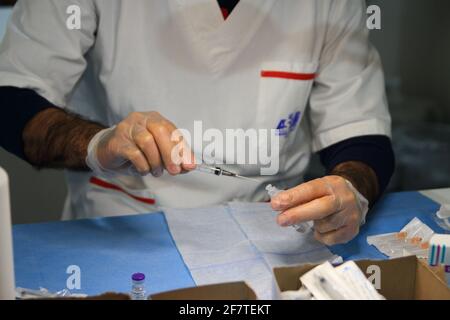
(207, 169)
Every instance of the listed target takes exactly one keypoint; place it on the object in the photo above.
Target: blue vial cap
(138, 277)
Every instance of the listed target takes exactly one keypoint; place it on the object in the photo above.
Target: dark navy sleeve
(375, 151)
(18, 106)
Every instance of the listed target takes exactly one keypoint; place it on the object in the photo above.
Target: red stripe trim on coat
(101, 183)
(288, 75)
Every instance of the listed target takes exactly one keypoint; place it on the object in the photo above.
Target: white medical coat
(270, 60)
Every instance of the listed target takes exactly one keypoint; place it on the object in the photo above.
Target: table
(109, 250)
(438, 195)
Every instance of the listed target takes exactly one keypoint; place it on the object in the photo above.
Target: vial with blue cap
(138, 287)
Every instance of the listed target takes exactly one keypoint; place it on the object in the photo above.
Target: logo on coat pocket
(286, 126)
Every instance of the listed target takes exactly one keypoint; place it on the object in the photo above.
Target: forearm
(55, 138)
(361, 176)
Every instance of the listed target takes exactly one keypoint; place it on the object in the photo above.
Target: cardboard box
(405, 278)
(224, 291)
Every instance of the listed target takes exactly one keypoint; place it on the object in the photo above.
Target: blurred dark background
(414, 44)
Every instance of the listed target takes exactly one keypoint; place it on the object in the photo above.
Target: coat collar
(216, 41)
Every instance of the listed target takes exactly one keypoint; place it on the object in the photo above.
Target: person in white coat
(99, 88)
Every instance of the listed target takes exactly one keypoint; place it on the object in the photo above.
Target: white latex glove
(336, 207)
(143, 143)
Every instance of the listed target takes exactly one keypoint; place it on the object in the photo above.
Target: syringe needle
(247, 178)
(221, 172)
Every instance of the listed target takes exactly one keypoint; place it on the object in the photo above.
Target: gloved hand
(336, 207)
(143, 143)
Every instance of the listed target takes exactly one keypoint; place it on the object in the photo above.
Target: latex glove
(336, 207)
(143, 143)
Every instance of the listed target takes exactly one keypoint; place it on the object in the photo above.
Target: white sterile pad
(280, 246)
(239, 242)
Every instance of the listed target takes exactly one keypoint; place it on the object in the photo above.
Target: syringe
(222, 172)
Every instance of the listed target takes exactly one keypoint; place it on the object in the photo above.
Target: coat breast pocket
(284, 91)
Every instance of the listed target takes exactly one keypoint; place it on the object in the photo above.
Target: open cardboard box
(407, 278)
(224, 291)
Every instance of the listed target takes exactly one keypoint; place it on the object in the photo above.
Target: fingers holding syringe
(148, 147)
(159, 143)
(175, 153)
(181, 153)
(302, 194)
(140, 144)
(316, 209)
(136, 157)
